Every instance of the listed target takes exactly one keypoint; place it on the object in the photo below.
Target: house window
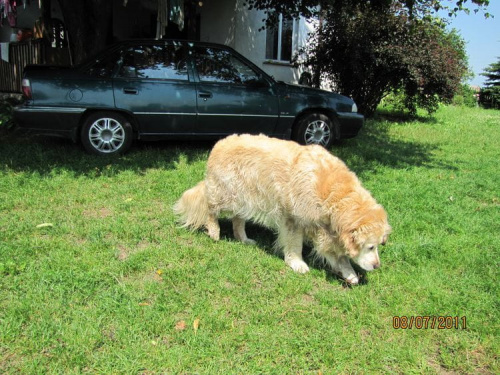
(279, 40)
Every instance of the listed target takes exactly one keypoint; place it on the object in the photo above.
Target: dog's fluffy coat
(303, 192)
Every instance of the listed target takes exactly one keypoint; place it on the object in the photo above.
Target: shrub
(6, 108)
(466, 97)
(490, 97)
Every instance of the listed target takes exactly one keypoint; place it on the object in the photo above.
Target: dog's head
(367, 251)
(364, 235)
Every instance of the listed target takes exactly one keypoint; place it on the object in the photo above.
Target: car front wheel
(106, 133)
(315, 128)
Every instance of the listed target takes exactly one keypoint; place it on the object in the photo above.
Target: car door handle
(205, 95)
(130, 91)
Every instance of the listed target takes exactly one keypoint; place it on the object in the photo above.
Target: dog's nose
(376, 265)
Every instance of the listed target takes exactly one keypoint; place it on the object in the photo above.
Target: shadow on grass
(46, 155)
(266, 238)
(395, 116)
(373, 147)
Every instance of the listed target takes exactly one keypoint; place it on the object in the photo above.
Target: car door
(153, 83)
(232, 96)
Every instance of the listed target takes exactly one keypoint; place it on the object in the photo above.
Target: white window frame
(280, 33)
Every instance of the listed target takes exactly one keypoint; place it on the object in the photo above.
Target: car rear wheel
(315, 128)
(106, 133)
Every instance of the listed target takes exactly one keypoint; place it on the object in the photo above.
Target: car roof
(131, 42)
(172, 41)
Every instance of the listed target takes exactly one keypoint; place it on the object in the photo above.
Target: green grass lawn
(110, 284)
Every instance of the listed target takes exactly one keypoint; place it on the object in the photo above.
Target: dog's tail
(192, 207)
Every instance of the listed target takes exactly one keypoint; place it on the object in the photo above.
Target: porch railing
(20, 55)
(8, 82)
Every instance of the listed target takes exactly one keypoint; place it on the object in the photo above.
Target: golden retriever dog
(303, 192)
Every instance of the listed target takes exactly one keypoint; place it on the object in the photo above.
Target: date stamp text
(429, 322)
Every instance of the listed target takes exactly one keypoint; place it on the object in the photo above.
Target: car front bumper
(350, 123)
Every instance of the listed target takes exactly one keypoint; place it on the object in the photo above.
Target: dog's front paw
(298, 266)
(248, 241)
(352, 280)
(214, 235)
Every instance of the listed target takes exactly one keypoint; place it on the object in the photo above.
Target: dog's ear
(388, 231)
(348, 239)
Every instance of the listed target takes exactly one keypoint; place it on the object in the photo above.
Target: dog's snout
(376, 265)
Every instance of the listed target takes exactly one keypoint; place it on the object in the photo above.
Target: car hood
(340, 102)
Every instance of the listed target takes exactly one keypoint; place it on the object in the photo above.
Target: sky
(482, 36)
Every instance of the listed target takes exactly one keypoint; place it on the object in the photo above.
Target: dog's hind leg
(239, 231)
(291, 238)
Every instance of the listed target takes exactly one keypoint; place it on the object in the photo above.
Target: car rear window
(103, 66)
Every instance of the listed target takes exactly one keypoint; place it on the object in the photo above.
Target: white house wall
(229, 22)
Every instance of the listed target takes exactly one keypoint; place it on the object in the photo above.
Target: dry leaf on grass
(196, 325)
(180, 325)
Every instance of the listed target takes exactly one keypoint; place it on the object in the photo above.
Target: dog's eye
(371, 247)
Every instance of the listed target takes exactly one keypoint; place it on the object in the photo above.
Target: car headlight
(354, 107)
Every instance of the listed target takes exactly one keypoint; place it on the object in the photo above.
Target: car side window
(154, 62)
(218, 65)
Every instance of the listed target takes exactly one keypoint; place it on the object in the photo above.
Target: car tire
(106, 133)
(315, 128)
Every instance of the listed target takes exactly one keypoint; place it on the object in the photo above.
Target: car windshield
(221, 66)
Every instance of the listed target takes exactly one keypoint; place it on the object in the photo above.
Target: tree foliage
(492, 74)
(367, 53)
(490, 95)
(307, 8)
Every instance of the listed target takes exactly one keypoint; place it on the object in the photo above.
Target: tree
(367, 53)
(88, 22)
(490, 95)
(435, 66)
(492, 74)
